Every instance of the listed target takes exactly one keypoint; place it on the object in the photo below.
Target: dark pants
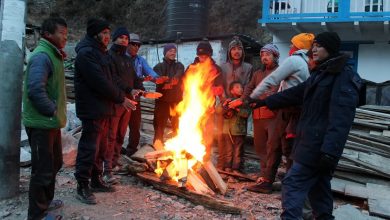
(134, 130)
(231, 156)
(302, 182)
(46, 160)
(263, 129)
(91, 149)
(284, 123)
(116, 135)
(161, 115)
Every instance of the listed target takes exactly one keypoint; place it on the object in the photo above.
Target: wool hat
(330, 41)
(168, 47)
(134, 38)
(271, 48)
(119, 32)
(95, 26)
(204, 48)
(303, 40)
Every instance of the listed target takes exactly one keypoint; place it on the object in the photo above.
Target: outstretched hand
(236, 103)
(256, 103)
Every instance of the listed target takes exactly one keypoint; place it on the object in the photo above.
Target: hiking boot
(109, 178)
(98, 185)
(261, 187)
(84, 193)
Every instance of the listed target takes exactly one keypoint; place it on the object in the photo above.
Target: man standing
(291, 72)
(234, 69)
(329, 99)
(143, 71)
(172, 92)
(131, 85)
(263, 118)
(44, 114)
(96, 94)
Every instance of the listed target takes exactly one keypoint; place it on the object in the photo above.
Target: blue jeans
(303, 182)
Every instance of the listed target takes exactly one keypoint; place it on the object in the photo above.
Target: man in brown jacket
(263, 118)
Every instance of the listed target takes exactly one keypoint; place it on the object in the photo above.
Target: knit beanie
(168, 47)
(330, 41)
(119, 32)
(303, 40)
(95, 26)
(204, 48)
(271, 48)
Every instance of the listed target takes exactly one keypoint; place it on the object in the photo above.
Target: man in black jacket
(96, 94)
(172, 92)
(123, 68)
(329, 99)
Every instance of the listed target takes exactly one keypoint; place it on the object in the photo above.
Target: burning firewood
(196, 198)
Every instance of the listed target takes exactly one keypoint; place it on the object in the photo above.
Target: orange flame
(194, 111)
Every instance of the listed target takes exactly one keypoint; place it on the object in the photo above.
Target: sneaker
(55, 204)
(98, 185)
(110, 179)
(262, 187)
(124, 170)
(84, 193)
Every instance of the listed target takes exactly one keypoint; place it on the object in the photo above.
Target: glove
(327, 164)
(256, 103)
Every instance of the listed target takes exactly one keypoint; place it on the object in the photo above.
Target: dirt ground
(134, 199)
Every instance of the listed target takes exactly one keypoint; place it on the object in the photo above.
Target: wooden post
(214, 175)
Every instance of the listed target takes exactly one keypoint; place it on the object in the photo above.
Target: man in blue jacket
(44, 114)
(96, 93)
(143, 71)
(329, 98)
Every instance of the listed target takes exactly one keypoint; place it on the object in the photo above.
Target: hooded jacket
(242, 73)
(95, 89)
(293, 70)
(329, 98)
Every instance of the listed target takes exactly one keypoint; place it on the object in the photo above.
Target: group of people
(302, 108)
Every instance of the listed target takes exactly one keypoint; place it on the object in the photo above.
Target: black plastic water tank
(188, 17)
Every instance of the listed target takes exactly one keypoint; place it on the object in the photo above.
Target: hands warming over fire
(136, 92)
(236, 103)
(129, 104)
(161, 80)
(256, 103)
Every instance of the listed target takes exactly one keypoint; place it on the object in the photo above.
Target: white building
(363, 26)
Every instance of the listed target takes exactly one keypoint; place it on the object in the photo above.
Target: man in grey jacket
(292, 71)
(234, 69)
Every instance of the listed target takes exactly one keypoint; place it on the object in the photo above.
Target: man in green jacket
(44, 114)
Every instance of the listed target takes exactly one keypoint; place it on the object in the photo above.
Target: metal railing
(279, 11)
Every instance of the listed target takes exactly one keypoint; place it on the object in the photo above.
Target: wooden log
(198, 184)
(369, 124)
(157, 154)
(243, 176)
(205, 200)
(207, 179)
(214, 175)
(140, 154)
(368, 112)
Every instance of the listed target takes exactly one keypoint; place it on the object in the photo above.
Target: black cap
(95, 26)
(119, 32)
(330, 41)
(204, 48)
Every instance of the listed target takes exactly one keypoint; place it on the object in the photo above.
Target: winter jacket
(329, 99)
(96, 91)
(242, 74)
(291, 72)
(172, 69)
(142, 68)
(123, 70)
(236, 123)
(44, 96)
(258, 76)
